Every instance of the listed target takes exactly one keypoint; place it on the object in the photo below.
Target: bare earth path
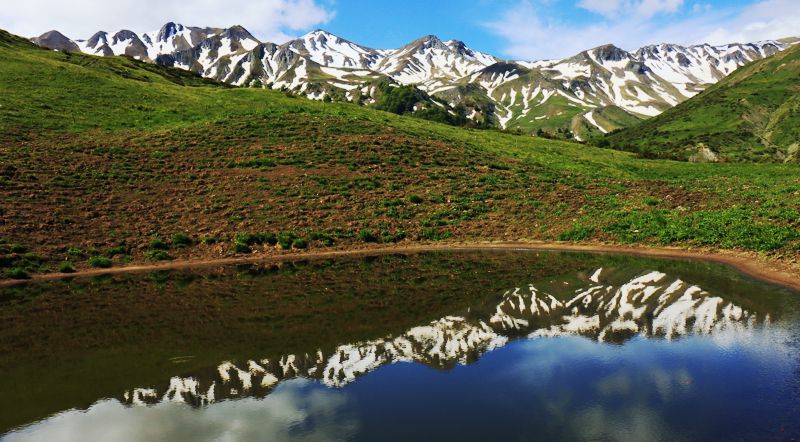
(754, 265)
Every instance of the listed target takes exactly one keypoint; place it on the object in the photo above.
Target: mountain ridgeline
(580, 97)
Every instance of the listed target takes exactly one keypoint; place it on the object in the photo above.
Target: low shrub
(389, 237)
(324, 238)
(76, 252)
(250, 239)
(157, 255)
(431, 234)
(415, 199)
(240, 247)
(17, 273)
(285, 239)
(17, 248)
(158, 244)
(100, 262)
(650, 201)
(579, 233)
(209, 240)
(181, 240)
(118, 250)
(367, 235)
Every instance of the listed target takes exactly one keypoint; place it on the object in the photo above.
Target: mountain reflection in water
(468, 345)
(650, 305)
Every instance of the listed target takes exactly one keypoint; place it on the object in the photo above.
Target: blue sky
(515, 29)
(389, 24)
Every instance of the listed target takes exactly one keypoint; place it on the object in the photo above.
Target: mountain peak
(97, 38)
(319, 34)
(432, 39)
(125, 34)
(168, 30)
(238, 32)
(52, 34)
(427, 42)
(55, 40)
(610, 52)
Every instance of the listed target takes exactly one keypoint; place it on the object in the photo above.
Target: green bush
(158, 244)
(399, 100)
(18, 248)
(18, 273)
(118, 250)
(579, 233)
(432, 234)
(208, 240)
(240, 247)
(389, 237)
(285, 239)
(324, 238)
(415, 199)
(66, 267)
(181, 240)
(254, 239)
(100, 262)
(76, 252)
(367, 235)
(157, 255)
(299, 243)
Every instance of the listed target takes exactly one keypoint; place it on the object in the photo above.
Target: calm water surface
(489, 345)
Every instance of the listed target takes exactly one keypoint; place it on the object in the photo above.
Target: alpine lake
(458, 345)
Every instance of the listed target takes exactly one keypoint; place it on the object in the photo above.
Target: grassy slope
(752, 115)
(610, 118)
(102, 156)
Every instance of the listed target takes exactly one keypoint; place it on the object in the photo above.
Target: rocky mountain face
(749, 116)
(593, 92)
(652, 305)
(57, 41)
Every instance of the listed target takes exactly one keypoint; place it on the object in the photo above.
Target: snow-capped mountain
(642, 84)
(650, 305)
(595, 91)
(329, 50)
(432, 64)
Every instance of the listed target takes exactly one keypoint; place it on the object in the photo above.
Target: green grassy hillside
(751, 116)
(106, 161)
(610, 118)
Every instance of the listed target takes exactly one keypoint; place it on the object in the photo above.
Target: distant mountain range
(591, 93)
(753, 115)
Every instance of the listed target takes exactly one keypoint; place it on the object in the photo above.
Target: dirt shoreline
(766, 269)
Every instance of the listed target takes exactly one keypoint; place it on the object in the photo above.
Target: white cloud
(531, 36)
(271, 20)
(649, 8)
(643, 8)
(294, 404)
(766, 19)
(602, 7)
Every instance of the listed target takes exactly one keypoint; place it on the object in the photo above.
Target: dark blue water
(592, 348)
